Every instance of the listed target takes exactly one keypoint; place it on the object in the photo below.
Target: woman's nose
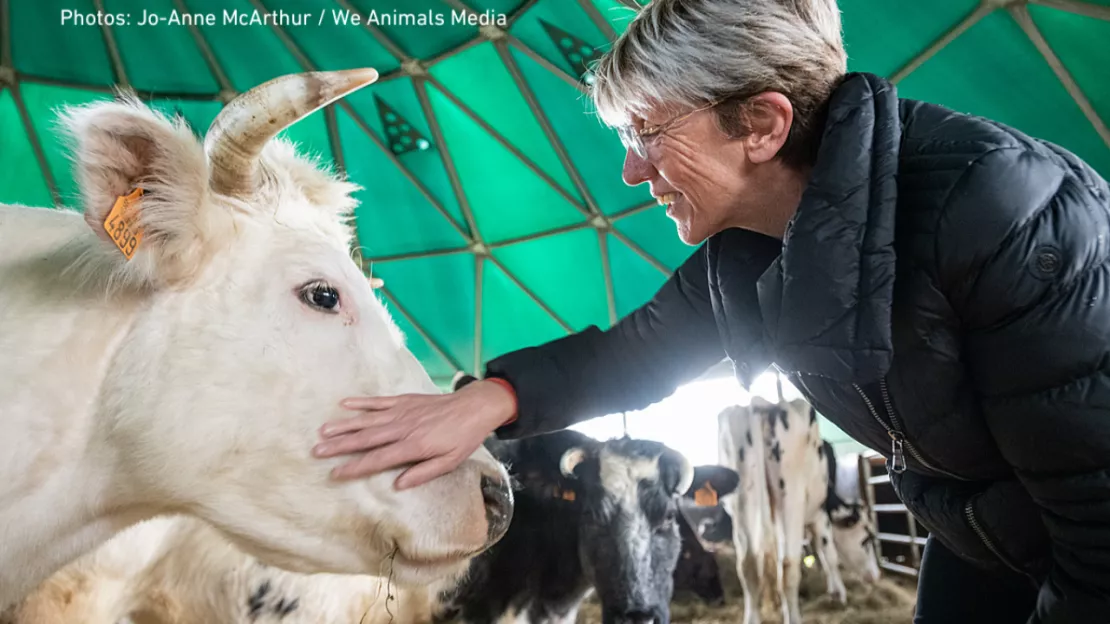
(636, 170)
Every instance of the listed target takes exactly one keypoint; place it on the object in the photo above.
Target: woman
(935, 284)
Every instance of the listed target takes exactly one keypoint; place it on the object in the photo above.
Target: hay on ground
(889, 601)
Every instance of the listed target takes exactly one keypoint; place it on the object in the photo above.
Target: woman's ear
(768, 117)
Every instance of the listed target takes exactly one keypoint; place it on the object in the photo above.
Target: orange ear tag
(122, 223)
(568, 495)
(706, 496)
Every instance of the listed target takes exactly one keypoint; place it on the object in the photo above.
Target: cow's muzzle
(498, 498)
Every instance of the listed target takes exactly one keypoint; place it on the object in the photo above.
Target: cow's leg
(749, 568)
(826, 554)
(792, 532)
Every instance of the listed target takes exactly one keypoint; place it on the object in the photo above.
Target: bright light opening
(686, 421)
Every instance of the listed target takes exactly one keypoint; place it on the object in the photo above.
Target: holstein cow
(176, 349)
(703, 524)
(786, 493)
(853, 531)
(588, 515)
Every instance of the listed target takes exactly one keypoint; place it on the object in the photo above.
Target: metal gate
(900, 537)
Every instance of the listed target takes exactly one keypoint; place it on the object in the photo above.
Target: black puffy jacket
(944, 288)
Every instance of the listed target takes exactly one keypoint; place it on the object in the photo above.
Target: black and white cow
(703, 524)
(588, 516)
(787, 492)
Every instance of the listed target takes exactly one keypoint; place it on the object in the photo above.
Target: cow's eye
(321, 295)
(668, 519)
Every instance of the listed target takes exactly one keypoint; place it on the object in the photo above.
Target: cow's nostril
(498, 498)
(638, 617)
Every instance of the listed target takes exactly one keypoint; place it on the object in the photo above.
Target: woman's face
(707, 180)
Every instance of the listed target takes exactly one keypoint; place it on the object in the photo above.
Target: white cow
(786, 495)
(192, 376)
(178, 570)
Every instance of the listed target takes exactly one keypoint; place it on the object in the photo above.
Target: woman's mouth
(666, 199)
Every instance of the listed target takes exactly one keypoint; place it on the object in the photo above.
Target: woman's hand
(434, 433)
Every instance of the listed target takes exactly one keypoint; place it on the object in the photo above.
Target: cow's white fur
(780, 501)
(192, 378)
(177, 570)
(749, 505)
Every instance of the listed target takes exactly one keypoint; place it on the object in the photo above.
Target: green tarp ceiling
(494, 208)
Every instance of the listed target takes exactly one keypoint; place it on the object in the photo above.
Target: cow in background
(787, 492)
(853, 530)
(589, 516)
(741, 448)
(702, 524)
(176, 347)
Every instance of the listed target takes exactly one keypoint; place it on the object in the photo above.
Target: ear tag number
(122, 223)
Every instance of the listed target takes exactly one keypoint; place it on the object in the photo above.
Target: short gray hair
(692, 52)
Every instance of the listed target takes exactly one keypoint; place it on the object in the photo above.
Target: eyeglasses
(634, 139)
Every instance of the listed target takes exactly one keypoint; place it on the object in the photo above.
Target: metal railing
(899, 538)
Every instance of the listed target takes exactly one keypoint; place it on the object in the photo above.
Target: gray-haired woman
(937, 285)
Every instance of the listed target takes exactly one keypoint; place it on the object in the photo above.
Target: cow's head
(853, 532)
(703, 523)
(253, 322)
(628, 537)
(854, 537)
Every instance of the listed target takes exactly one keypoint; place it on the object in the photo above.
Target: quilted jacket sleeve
(1023, 250)
(643, 358)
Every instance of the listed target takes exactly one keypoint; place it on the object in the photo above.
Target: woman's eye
(322, 296)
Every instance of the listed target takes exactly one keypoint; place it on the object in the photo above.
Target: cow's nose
(639, 616)
(498, 498)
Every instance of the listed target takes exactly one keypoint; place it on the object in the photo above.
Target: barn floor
(890, 601)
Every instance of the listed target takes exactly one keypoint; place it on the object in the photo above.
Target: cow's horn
(237, 135)
(686, 474)
(570, 460)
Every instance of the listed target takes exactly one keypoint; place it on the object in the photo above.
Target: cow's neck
(70, 515)
(58, 495)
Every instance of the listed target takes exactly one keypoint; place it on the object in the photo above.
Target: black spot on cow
(748, 437)
(821, 452)
(824, 540)
(783, 417)
(812, 414)
(285, 607)
(262, 595)
(257, 600)
(741, 454)
(782, 484)
(776, 451)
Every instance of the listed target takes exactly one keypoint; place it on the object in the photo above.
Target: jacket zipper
(969, 512)
(899, 443)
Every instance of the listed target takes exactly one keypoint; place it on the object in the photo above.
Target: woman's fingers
(426, 471)
(380, 459)
(364, 420)
(360, 440)
(370, 403)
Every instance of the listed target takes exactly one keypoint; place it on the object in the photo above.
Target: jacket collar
(825, 302)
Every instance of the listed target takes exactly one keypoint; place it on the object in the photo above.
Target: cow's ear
(462, 380)
(143, 181)
(712, 482)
